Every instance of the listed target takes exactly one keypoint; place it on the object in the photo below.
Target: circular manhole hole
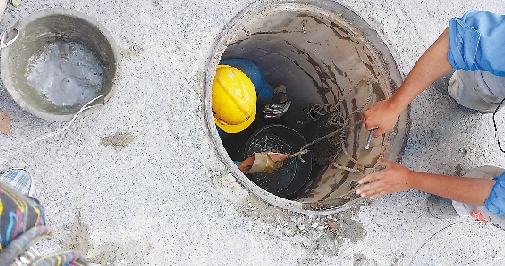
(334, 67)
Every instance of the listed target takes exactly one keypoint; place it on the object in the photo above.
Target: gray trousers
(487, 172)
(478, 90)
(481, 91)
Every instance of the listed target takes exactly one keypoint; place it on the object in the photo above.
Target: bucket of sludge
(294, 173)
(60, 61)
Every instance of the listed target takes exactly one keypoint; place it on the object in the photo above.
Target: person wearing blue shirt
(264, 91)
(265, 94)
(476, 49)
(474, 46)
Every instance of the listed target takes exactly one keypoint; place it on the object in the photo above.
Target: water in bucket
(65, 74)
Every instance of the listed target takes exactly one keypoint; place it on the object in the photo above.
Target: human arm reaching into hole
(472, 42)
(397, 177)
(432, 65)
(246, 164)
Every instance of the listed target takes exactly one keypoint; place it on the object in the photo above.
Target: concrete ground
(166, 199)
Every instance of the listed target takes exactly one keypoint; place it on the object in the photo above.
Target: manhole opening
(334, 67)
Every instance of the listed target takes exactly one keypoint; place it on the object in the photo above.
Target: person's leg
(18, 209)
(480, 212)
(477, 90)
(22, 223)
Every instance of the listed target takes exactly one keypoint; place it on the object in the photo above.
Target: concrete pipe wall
(324, 54)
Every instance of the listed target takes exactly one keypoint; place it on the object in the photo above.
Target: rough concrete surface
(162, 197)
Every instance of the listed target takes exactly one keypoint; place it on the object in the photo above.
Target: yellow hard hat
(233, 99)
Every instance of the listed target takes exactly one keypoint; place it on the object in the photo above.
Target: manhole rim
(229, 32)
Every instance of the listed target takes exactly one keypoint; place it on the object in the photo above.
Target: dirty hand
(277, 157)
(266, 162)
(394, 178)
(381, 115)
(275, 161)
(246, 164)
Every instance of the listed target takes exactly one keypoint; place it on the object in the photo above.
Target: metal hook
(4, 35)
(369, 140)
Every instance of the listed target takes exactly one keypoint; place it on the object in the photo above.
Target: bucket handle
(4, 35)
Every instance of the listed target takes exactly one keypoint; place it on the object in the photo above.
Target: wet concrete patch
(335, 228)
(78, 237)
(343, 226)
(258, 210)
(119, 140)
(132, 51)
(360, 259)
(113, 253)
(327, 233)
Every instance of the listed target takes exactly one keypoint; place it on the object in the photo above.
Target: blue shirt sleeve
(495, 203)
(477, 42)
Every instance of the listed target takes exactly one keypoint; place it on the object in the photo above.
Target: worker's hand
(274, 161)
(246, 164)
(381, 115)
(394, 178)
(266, 162)
(277, 157)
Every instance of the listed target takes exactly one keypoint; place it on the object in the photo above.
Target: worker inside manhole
(299, 77)
(261, 143)
(238, 88)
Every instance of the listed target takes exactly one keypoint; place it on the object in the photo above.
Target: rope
(335, 118)
(435, 234)
(59, 131)
(496, 128)
(4, 36)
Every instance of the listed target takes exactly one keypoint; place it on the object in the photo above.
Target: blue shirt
(477, 42)
(495, 203)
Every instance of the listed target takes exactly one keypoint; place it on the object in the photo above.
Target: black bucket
(294, 173)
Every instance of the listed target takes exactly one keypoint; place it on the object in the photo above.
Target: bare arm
(397, 177)
(246, 164)
(432, 65)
